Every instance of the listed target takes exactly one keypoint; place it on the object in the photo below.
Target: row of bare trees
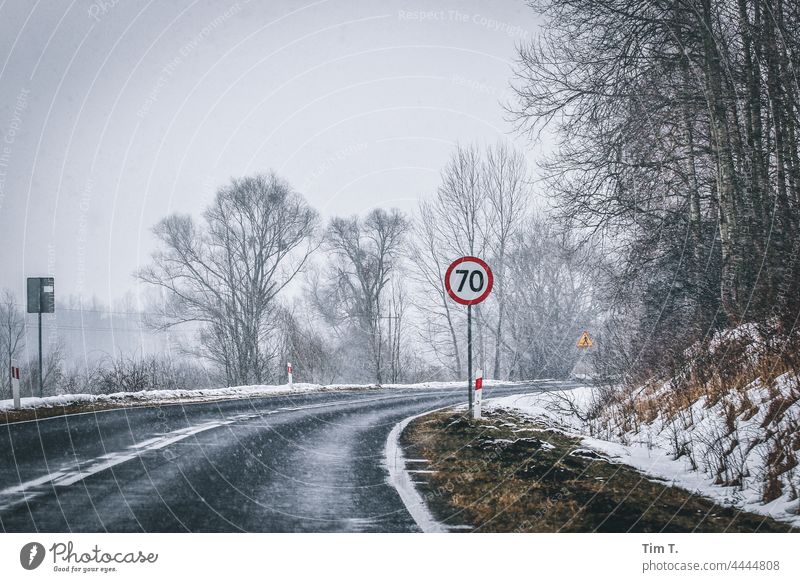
(478, 209)
(64, 373)
(677, 123)
(371, 304)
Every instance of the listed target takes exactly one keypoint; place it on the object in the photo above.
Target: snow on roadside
(200, 395)
(156, 396)
(649, 451)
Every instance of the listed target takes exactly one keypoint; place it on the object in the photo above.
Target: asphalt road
(310, 463)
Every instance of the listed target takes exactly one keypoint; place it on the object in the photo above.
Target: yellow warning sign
(585, 341)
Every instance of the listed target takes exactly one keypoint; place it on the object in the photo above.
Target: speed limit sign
(468, 280)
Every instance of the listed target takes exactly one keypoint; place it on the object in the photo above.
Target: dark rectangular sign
(41, 295)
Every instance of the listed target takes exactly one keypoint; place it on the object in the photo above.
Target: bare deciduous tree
(505, 179)
(12, 335)
(478, 207)
(551, 295)
(227, 272)
(313, 353)
(367, 255)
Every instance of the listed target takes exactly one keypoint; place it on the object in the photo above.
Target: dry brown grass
(506, 474)
(722, 375)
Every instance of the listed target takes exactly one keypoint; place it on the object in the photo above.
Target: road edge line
(400, 479)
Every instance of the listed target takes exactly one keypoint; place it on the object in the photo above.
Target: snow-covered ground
(651, 449)
(172, 396)
(155, 396)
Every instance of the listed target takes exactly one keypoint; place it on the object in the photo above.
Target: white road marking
(70, 475)
(34, 483)
(400, 478)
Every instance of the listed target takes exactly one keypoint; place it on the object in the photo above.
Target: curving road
(311, 462)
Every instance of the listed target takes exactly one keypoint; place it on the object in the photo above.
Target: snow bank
(255, 391)
(156, 396)
(652, 449)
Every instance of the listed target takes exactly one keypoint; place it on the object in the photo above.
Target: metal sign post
(289, 373)
(41, 376)
(468, 281)
(41, 299)
(469, 359)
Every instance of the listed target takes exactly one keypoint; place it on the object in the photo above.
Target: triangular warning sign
(585, 341)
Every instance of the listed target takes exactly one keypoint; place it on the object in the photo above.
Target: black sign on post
(41, 299)
(41, 295)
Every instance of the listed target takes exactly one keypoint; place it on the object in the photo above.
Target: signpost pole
(41, 380)
(41, 299)
(469, 357)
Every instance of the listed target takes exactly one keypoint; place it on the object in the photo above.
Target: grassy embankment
(507, 474)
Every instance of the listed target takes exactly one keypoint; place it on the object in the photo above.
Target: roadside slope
(511, 473)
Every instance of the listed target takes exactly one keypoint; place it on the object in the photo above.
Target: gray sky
(115, 113)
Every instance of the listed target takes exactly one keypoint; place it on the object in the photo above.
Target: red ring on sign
(489, 281)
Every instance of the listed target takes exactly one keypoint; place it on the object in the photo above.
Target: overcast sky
(118, 112)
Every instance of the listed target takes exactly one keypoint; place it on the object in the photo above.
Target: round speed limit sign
(468, 280)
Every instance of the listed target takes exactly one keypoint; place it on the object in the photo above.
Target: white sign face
(468, 280)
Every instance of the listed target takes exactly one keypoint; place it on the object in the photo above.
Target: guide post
(478, 390)
(15, 384)
(468, 281)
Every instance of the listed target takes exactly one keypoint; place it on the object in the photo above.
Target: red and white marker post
(15, 384)
(476, 410)
(468, 281)
(289, 373)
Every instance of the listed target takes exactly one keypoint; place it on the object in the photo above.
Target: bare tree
(440, 320)
(12, 335)
(506, 185)
(451, 225)
(368, 253)
(227, 272)
(315, 355)
(478, 207)
(395, 317)
(53, 370)
(551, 298)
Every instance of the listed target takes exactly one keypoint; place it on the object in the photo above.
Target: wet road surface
(305, 462)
